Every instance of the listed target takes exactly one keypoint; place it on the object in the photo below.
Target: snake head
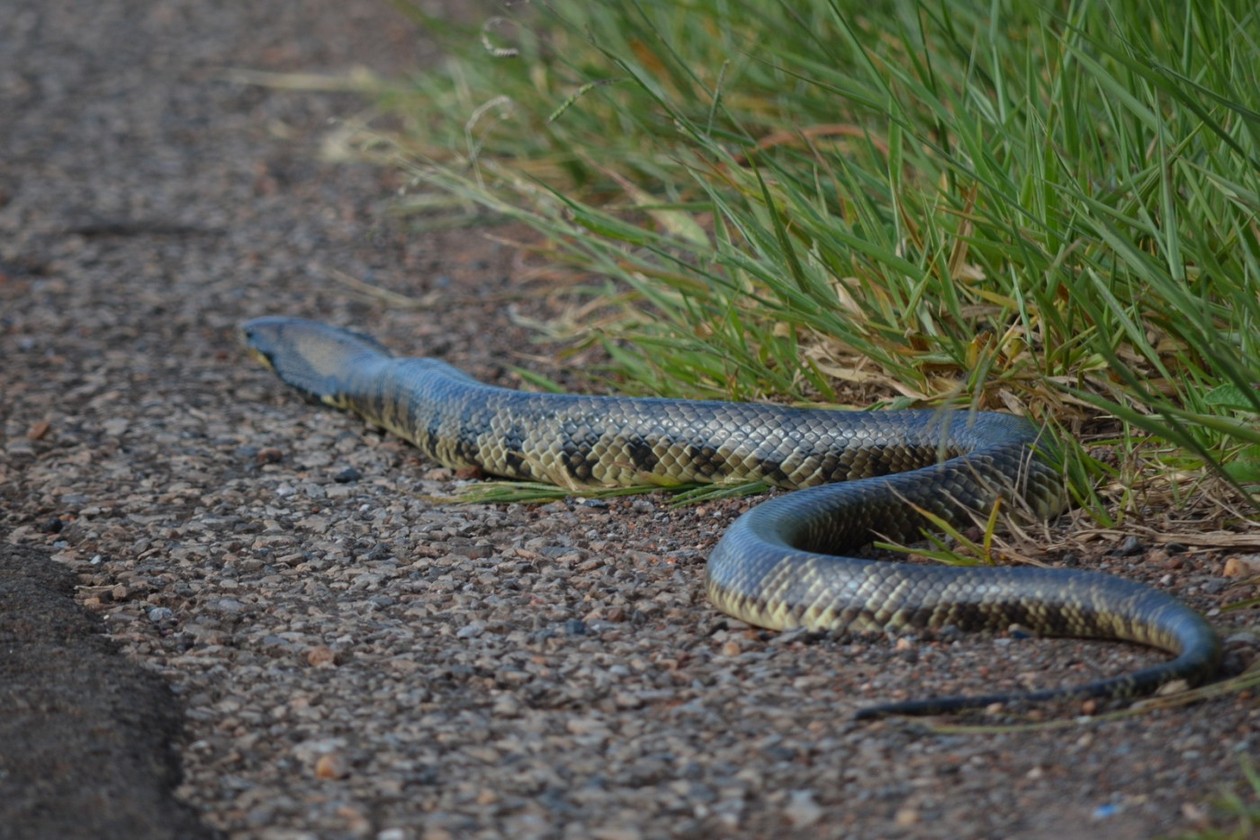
(320, 361)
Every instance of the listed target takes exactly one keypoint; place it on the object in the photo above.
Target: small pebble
(802, 811)
(906, 816)
(1103, 812)
(1131, 546)
(269, 455)
(229, 605)
(347, 475)
(1239, 566)
(332, 766)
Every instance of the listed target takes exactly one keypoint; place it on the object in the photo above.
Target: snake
(796, 560)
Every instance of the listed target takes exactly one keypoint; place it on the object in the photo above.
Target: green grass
(1048, 209)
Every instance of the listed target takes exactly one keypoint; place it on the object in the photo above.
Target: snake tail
(788, 561)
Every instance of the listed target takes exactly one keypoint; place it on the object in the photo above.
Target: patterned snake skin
(780, 565)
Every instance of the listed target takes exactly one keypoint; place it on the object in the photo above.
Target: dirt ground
(226, 612)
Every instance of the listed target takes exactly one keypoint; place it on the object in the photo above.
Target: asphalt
(86, 735)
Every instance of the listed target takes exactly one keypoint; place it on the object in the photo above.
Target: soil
(226, 612)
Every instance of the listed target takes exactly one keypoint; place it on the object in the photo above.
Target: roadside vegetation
(1044, 209)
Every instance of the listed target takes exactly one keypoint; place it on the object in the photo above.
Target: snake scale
(782, 564)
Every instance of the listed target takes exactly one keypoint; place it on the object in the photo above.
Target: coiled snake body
(780, 565)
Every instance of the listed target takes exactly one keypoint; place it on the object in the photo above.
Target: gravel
(349, 655)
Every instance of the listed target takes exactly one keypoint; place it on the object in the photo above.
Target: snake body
(782, 564)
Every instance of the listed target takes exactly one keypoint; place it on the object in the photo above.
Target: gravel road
(276, 631)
